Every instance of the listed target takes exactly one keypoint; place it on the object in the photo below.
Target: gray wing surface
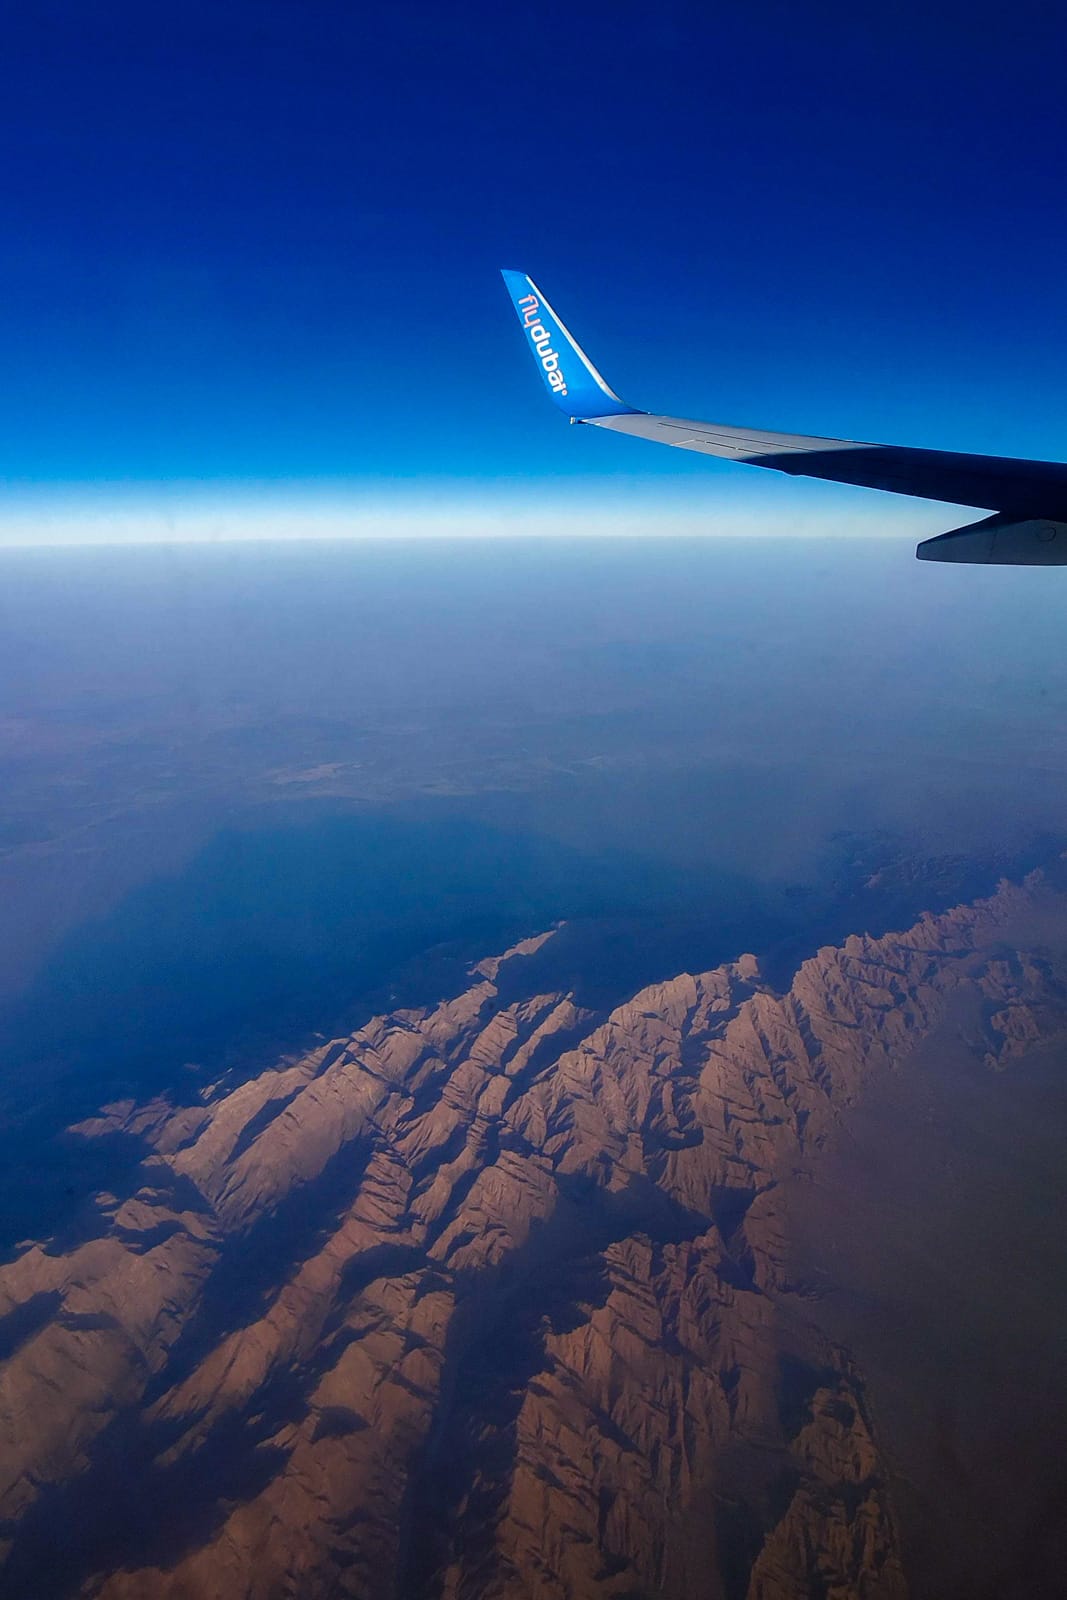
(997, 483)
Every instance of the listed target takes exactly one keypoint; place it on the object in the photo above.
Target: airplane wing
(1028, 498)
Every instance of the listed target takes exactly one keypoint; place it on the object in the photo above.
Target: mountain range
(507, 1298)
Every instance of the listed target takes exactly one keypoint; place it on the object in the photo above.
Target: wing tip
(573, 383)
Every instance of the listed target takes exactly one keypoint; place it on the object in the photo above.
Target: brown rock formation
(487, 1300)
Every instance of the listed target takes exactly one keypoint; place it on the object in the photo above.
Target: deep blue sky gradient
(259, 240)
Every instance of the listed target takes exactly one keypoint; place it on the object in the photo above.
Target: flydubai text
(530, 311)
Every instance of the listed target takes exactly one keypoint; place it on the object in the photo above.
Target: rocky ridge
(489, 1299)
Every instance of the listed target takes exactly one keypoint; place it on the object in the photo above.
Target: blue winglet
(569, 376)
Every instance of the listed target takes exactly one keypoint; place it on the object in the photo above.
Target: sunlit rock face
(491, 1299)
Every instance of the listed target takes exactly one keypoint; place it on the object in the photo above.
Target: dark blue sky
(260, 241)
